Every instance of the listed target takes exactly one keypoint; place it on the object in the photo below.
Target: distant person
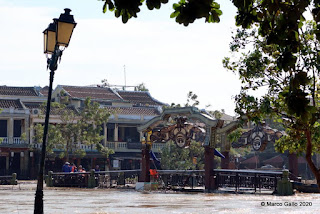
(97, 168)
(81, 169)
(66, 167)
(73, 168)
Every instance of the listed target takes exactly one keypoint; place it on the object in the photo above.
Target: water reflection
(129, 201)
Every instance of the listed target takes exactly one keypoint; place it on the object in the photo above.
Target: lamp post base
(38, 202)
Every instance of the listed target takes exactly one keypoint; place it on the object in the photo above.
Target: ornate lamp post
(56, 38)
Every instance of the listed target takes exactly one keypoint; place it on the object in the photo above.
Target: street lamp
(56, 37)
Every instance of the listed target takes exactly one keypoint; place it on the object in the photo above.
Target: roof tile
(139, 97)
(134, 110)
(92, 92)
(5, 103)
(18, 91)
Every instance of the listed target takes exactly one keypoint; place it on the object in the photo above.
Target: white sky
(169, 58)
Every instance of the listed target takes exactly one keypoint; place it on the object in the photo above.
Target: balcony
(12, 140)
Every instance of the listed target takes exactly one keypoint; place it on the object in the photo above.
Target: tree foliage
(141, 87)
(76, 126)
(185, 11)
(278, 53)
(173, 157)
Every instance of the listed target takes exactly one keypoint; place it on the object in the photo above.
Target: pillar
(105, 134)
(293, 166)
(25, 129)
(7, 162)
(225, 148)
(10, 130)
(208, 168)
(31, 134)
(33, 167)
(23, 162)
(145, 164)
(116, 138)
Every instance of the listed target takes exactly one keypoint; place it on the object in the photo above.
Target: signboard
(115, 164)
(208, 136)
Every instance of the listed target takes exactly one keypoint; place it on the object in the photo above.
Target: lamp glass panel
(45, 40)
(64, 32)
(51, 41)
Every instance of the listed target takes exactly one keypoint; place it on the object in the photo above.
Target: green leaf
(174, 14)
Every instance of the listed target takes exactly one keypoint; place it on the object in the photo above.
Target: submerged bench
(9, 179)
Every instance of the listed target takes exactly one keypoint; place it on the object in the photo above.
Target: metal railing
(116, 146)
(252, 179)
(11, 140)
(102, 179)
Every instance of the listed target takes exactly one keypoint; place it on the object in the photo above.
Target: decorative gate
(182, 125)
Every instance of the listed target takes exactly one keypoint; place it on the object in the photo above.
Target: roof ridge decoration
(192, 112)
(114, 91)
(259, 136)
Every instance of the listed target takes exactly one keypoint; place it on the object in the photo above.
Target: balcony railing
(116, 146)
(4, 140)
(11, 140)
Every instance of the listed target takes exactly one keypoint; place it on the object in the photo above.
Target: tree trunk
(67, 152)
(312, 166)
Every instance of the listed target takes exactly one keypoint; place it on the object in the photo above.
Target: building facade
(21, 109)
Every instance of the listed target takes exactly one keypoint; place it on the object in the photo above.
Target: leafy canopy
(185, 11)
(277, 50)
(76, 126)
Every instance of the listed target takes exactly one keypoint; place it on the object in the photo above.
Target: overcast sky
(169, 58)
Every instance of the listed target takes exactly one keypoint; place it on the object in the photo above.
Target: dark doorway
(110, 132)
(17, 128)
(15, 164)
(2, 165)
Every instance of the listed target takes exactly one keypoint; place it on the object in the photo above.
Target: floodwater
(20, 199)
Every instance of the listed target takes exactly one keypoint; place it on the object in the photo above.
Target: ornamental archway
(183, 125)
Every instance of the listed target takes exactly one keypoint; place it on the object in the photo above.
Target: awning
(217, 153)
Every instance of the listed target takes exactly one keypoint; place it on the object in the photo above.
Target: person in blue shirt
(66, 167)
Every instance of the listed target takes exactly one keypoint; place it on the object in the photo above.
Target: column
(208, 168)
(31, 134)
(7, 162)
(105, 134)
(10, 130)
(116, 138)
(225, 151)
(23, 167)
(25, 129)
(145, 164)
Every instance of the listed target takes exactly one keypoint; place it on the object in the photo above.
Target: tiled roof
(92, 92)
(134, 110)
(18, 91)
(139, 97)
(4, 103)
(44, 91)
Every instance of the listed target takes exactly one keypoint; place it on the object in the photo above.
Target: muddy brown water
(20, 199)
